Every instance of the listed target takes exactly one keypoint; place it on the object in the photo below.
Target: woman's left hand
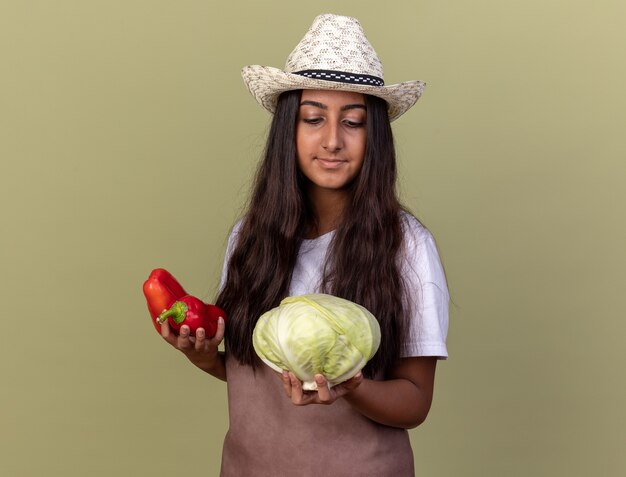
(324, 393)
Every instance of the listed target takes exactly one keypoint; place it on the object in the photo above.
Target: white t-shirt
(422, 271)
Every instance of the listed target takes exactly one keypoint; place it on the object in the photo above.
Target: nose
(333, 140)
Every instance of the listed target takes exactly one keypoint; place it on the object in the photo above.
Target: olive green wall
(127, 140)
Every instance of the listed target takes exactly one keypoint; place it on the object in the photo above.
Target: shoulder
(233, 238)
(420, 253)
(237, 226)
(235, 230)
(415, 233)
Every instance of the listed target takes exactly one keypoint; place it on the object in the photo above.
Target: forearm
(395, 403)
(401, 401)
(216, 367)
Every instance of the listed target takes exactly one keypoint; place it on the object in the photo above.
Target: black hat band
(341, 77)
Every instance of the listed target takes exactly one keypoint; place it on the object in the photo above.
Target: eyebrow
(323, 106)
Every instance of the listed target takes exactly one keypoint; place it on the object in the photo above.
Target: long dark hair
(362, 265)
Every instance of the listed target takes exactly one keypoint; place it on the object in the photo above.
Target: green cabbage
(317, 334)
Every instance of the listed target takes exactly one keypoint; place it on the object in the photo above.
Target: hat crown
(335, 43)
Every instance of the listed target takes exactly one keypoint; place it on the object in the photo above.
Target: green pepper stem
(177, 311)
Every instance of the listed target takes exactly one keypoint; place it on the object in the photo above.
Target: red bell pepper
(161, 291)
(168, 299)
(194, 313)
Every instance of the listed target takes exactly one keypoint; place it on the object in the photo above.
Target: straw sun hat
(333, 55)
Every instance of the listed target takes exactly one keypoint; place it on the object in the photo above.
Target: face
(330, 137)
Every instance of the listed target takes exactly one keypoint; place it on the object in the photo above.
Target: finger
(297, 396)
(353, 382)
(200, 339)
(286, 383)
(183, 338)
(323, 390)
(165, 329)
(346, 387)
(219, 334)
(167, 334)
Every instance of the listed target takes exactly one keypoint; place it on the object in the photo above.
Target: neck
(328, 206)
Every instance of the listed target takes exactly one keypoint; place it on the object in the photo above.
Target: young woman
(323, 216)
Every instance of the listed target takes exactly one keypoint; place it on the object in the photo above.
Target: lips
(330, 163)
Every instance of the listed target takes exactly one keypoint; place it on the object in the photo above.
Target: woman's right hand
(201, 351)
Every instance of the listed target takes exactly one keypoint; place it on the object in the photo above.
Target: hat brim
(266, 84)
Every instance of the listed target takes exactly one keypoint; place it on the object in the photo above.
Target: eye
(354, 124)
(312, 120)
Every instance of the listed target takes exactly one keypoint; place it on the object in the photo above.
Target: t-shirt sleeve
(230, 247)
(427, 293)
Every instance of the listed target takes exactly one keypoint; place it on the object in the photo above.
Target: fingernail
(220, 320)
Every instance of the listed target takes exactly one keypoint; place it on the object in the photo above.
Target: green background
(127, 142)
